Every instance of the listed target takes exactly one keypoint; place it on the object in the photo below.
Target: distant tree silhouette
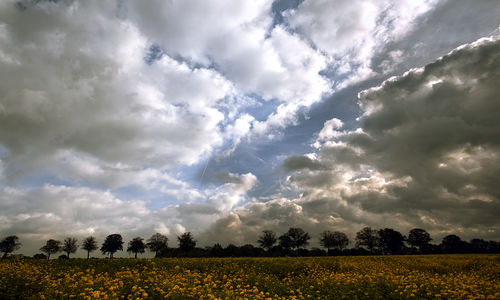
(337, 240)
(9, 245)
(157, 243)
(186, 242)
(216, 250)
(70, 245)
(267, 239)
(479, 245)
(136, 245)
(285, 243)
(368, 238)
(40, 256)
(297, 238)
(419, 238)
(453, 244)
(112, 243)
(390, 241)
(89, 245)
(51, 247)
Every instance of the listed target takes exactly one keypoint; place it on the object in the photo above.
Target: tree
(9, 245)
(136, 245)
(390, 241)
(70, 245)
(285, 242)
(368, 238)
(186, 242)
(89, 245)
(51, 247)
(112, 243)
(267, 239)
(479, 245)
(297, 238)
(157, 243)
(337, 240)
(419, 238)
(453, 244)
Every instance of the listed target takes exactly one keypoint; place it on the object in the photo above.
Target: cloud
(83, 88)
(427, 155)
(427, 151)
(351, 32)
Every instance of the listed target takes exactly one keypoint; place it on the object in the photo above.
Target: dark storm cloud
(429, 143)
(427, 154)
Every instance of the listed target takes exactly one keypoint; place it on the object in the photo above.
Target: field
(377, 277)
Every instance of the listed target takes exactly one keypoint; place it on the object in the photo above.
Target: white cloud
(351, 32)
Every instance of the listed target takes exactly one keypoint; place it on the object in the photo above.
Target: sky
(226, 118)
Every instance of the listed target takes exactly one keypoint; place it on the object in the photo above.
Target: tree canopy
(51, 247)
(70, 245)
(136, 245)
(267, 239)
(186, 242)
(89, 244)
(157, 243)
(112, 243)
(9, 245)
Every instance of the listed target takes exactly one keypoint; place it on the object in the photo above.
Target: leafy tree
(136, 245)
(453, 244)
(70, 245)
(285, 242)
(479, 245)
(297, 238)
(112, 243)
(186, 242)
(390, 240)
(9, 245)
(419, 238)
(368, 238)
(267, 239)
(89, 245)
(157, 243)
(337, 240)
(51, 247)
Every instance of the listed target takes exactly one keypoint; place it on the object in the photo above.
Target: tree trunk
(111, 255)
(48, 256)
(156, 253)
(4, 255)
(135, 256)
(88, 254)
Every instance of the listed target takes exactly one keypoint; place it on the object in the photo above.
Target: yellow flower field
(377, 277)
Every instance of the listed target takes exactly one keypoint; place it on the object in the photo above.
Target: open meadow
(368, 277)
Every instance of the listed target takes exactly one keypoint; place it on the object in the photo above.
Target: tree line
(291, 243)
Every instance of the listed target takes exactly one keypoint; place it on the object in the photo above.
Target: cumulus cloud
(352, 31)
(83, 87)
(427, 155)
